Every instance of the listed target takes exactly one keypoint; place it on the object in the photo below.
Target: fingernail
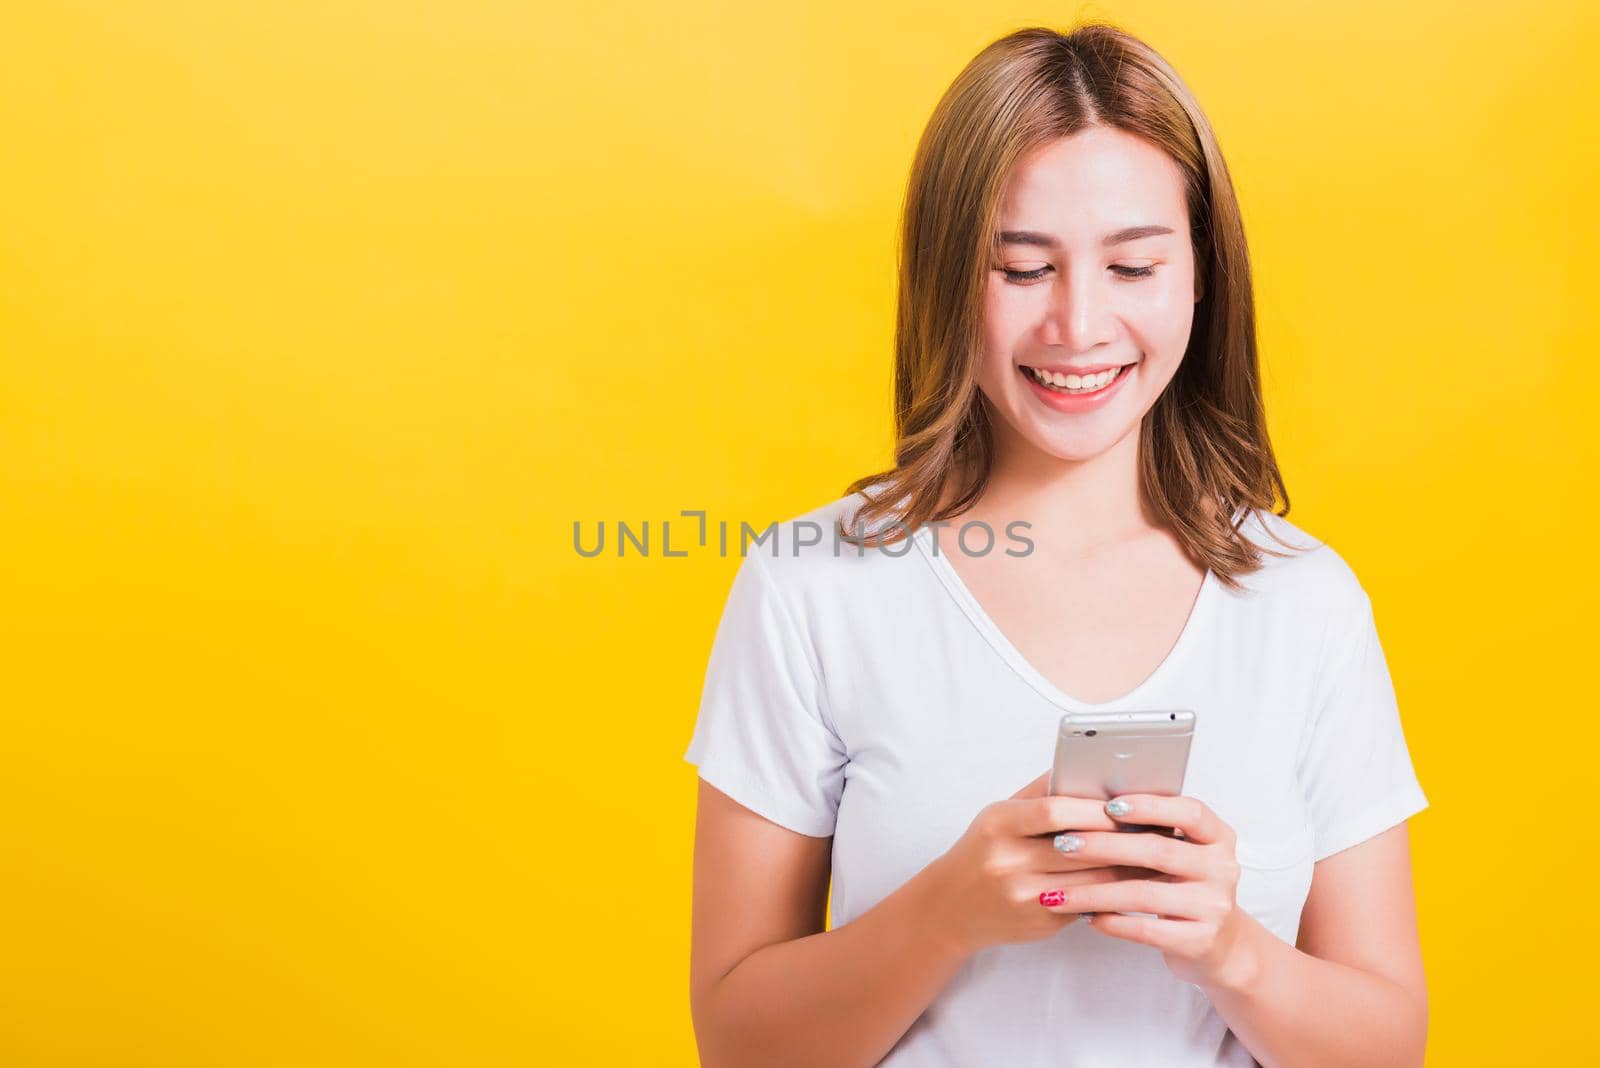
(1051, 898)
(1068, 843)
(1118, 807)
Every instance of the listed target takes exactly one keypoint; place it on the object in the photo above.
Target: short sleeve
(1355, 768)
(762, 735)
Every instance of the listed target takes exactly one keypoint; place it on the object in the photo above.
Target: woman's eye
(1037, 273)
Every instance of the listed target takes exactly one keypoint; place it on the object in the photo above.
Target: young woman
(1076, 353)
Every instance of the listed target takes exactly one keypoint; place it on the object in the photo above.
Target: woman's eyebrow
(1116, 237)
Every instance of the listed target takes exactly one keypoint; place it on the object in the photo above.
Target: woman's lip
(1076, 402)
(1063, 369)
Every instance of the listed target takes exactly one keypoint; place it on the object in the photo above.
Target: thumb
(1039, 787)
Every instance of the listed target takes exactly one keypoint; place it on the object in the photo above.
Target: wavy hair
(1205, 459)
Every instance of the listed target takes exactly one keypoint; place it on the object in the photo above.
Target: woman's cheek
(1006, 307)
(1168, 319)
(1003, 323)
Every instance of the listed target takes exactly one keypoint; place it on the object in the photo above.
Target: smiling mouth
(1075, 385)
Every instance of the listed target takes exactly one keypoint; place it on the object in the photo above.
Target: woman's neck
(1075, 507)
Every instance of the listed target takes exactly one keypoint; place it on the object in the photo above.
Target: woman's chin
(1086, 439)
(1073, 448)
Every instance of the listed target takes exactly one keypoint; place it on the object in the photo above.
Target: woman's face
(1093, 278)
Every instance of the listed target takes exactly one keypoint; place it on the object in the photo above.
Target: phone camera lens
(1172, 715)
(1090, 733)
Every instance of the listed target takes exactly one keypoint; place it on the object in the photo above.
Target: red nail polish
(1051, 898)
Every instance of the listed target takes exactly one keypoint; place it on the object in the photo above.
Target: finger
(1054, 812)
(1043, 855)
(1049, 898)
(1177, 901)
(1166, 935)
(1171, 856)
(1039, 787)
(1048, 887)
(1188, 814)
(1045, 879)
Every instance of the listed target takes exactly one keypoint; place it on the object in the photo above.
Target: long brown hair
(1205, 459)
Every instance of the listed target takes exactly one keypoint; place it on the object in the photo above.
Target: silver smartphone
(1102, 754)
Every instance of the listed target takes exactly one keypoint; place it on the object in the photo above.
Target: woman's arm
(1353, 992)
(767, 985)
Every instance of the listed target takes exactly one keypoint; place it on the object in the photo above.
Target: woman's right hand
(987, 886)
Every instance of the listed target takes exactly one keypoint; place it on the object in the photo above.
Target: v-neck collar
(1188, 637)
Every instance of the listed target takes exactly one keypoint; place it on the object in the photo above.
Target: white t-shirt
(867, 696)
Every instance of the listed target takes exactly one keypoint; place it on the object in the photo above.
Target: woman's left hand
(1201, 931)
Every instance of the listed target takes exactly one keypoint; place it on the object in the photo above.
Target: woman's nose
(1079, 314)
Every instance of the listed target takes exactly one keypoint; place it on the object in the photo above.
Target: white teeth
(1075, 383)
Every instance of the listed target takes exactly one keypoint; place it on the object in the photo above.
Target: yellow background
(321, 323)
